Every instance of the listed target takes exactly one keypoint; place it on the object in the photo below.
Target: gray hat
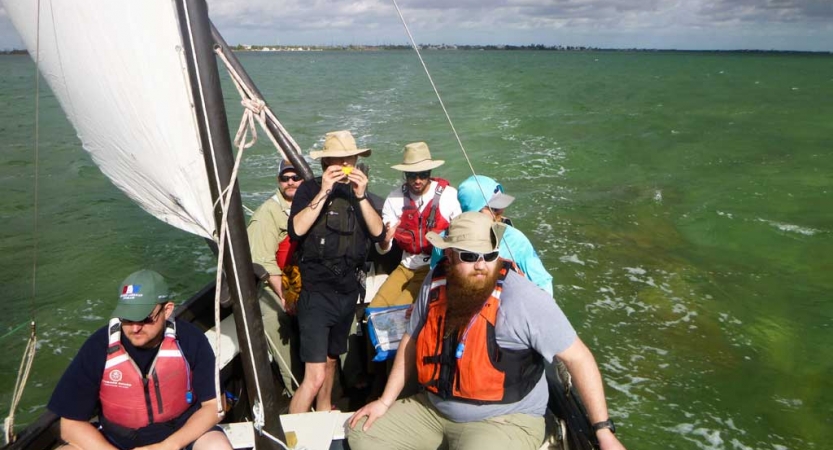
(470, 231)
(139, 294)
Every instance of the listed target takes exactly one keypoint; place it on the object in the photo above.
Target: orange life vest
(132, 401)
(413, 225)
(469, 365)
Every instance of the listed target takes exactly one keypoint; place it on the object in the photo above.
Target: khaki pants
(413, 424)
(282, 337)
(401, 287)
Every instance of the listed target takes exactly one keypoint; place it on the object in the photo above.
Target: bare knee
(315, 375)
(212, 440)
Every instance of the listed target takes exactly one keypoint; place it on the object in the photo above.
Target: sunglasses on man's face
(424, 175)
(150, 319)
(473, 257)
(287, 178)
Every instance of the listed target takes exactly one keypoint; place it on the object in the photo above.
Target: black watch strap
(605, 424)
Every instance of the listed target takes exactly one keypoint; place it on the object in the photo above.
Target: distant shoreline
(445, 47)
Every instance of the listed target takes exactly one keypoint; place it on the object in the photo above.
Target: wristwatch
(605, 424)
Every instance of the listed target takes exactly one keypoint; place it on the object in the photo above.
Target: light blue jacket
(522, 253)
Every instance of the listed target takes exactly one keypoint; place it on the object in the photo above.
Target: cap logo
(130, 291)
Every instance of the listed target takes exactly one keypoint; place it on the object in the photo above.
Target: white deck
(308, 428)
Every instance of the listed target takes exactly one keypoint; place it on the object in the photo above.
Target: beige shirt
(267, 228)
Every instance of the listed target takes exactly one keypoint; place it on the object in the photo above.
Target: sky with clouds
(662, 24)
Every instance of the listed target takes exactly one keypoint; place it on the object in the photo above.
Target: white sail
(117, 68)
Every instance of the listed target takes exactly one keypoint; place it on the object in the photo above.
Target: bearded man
(478, 340)
(272, 257)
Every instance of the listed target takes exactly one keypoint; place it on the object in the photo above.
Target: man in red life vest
(477, 341)
(149, 378)
(270, 246)
(422, 204)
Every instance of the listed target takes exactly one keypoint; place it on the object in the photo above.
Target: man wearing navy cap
(147, 376)
(272, 256)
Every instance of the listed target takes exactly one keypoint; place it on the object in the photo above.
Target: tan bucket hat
(417, 158)
(339, 144)
(470, 231)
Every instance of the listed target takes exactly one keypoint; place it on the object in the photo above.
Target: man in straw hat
(334, 222)
(420, 205)
(176, 408)
(478, 339)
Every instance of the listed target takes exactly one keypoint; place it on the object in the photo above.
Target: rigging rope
(29, 351)
(445, 111)
(256, 109)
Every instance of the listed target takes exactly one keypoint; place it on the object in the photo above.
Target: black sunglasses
(150, 319)
(473, 257)
(424, 175)
(286, 178)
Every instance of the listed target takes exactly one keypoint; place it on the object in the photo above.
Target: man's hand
(332, 174)
(372, 410)
(359, 181)
(276, 283)
(608, 440)
(390, 232)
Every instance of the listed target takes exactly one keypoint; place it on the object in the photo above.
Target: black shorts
(324, 319)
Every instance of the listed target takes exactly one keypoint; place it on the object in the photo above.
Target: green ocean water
(682, 201)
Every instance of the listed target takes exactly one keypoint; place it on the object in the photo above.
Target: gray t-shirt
(528, 318)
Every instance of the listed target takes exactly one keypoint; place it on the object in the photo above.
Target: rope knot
(254, 105)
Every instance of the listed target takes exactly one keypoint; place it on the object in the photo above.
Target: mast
(296, 159)
(237, 263)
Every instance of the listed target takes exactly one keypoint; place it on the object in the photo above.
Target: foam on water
(791, 228)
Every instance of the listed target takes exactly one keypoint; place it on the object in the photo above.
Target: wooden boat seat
(229, 345)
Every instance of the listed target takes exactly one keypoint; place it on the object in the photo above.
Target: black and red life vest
(413, 225)
(132, 401)
(469, 365)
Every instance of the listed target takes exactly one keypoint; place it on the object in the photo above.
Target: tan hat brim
(422, 166)
(315, 154)
(472, 243)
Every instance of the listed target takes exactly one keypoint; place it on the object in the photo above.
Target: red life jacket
(410, 234)
(469, 365)
(132, 401)
(285, 251)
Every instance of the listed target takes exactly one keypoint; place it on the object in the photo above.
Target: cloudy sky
(664, 24)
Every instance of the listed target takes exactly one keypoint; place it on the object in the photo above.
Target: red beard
(466, 296)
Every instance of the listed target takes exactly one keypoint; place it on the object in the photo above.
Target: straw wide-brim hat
(339, 144)
(470, 231)
(417, 158)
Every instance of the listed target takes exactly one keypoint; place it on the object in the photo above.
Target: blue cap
(471, 197)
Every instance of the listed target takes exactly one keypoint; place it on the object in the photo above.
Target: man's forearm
(305, 218)
(83, 435)
(403, 366)
(371, 218)
(587, 379)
